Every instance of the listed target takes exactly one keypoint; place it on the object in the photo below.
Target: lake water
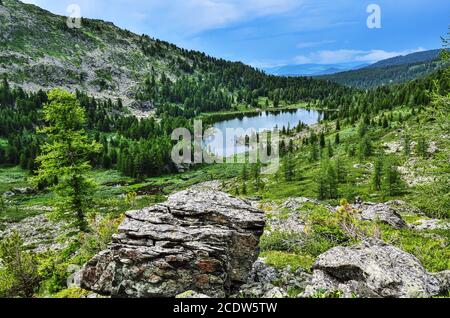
(228, 145)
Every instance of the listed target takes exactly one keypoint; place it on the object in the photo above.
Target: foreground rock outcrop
(200, 240)
(374, 269)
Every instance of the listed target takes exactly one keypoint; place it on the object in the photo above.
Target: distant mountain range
(413, 58)
(312, 69)
(394, 70)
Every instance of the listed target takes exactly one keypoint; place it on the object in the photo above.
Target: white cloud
(305, 45)
(262, 64)
(187, 16)
(196, 16)
(301, 59)
(346, 56)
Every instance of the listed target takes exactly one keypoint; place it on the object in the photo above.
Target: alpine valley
(92, 205)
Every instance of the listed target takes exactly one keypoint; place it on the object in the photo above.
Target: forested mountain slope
(418, 57)
(39, 51)
(390, 71)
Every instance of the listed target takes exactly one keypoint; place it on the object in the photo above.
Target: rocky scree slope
(39, 51)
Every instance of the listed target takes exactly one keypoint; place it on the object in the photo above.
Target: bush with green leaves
(19, 275)
(53, 265)
(281, 241)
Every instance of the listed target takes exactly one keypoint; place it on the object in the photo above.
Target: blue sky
(269, 33)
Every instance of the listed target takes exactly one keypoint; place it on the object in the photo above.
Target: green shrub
(53, 265)
(330, 294)
(431, 250)
(434, 198)
(73, 292)
(18, 270)
(281, 241)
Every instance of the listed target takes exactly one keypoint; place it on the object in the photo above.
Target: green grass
(12, 177)
(282, 249)
(281, 260)
(432, 248)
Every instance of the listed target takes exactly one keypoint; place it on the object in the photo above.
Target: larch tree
(64, 159)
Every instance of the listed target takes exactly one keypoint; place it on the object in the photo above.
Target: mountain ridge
(41, 52)
(416, 57)
(396, 70)
(312, 69)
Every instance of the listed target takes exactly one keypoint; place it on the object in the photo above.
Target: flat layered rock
(200, 240)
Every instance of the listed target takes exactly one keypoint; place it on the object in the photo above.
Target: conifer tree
(365, 148)
(288, 168)
(393, 183)
(322, 140)
(340, 170)
(422, 147)
(327, 182)
(377, 177)
(330, 150)
(407, 145)
(64, 157)
(314, 155)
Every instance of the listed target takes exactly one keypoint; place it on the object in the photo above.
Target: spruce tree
(377, 177)
(365, 148)
(422, 147)
(327, 181)
(341, 170)
(407, 145)
(393, 183)
(314, 155)
(330, 150)
(322, 141)
(288, 168)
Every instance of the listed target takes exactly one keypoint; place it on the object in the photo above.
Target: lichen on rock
(200, 240)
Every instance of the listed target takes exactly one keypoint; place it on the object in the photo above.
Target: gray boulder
(200, 240)
(292, 224)
(432, 224)
(381, 212)
(263, 278)
(275, 292)
(374, 269)
(190, 294)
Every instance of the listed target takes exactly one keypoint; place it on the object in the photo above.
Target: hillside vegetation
(39, 51)
(388, 145)
(391, 71)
